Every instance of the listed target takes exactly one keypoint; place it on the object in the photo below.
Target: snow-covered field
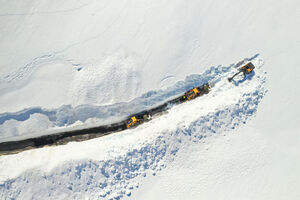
(83, 63)
(113, 167)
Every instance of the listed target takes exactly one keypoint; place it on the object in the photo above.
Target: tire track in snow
(28, 69)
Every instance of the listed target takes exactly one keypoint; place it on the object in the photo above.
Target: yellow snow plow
(132, 122)
(191, 94)
(197, 91)
(246, 69)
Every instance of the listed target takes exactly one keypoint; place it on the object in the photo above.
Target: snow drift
(54, 55)
(153, 146)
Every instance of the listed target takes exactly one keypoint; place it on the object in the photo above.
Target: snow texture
(115, 177)
(74, 63)
(67, 115)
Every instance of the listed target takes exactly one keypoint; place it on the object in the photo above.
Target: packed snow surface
(78, 63)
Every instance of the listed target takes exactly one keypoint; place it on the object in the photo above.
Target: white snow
(85, 63)
(109, 168)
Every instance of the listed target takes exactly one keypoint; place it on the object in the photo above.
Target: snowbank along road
(130, 52)
(116, 169)
(18, 144)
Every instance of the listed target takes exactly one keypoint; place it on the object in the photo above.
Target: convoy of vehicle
(133, 121)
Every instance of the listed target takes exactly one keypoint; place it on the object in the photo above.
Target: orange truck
(246, 69)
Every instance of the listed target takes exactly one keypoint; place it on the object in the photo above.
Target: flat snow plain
(62, 62)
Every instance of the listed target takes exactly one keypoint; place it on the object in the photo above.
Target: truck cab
(191, 94)
(197, 91)
(132, 122)
(248, 68)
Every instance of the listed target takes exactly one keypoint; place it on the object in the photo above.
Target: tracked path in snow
(68, 115)
(63, 137)
(155, 144)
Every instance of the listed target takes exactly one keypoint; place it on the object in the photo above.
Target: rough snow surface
(111, 170)
(66, 64)
(67, 115)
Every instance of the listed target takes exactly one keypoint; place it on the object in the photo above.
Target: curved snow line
(67, 115)
(113, 177)
(25, 114)
(28, 69)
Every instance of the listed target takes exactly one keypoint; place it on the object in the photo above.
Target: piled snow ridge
(113, 175)
(24, 123)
